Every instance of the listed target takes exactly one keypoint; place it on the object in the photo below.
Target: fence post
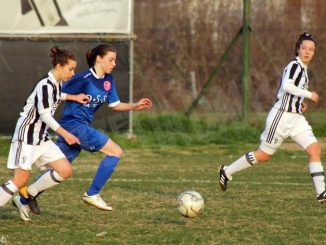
(246, 61)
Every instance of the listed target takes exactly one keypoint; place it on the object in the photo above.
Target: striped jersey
(44, 98)
(295, 73)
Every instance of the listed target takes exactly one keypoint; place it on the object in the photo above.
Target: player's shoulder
(294, 63)
(44, 80)
(82, 75)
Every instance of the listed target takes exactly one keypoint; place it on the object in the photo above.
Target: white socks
(7, 190)
(317, 173)
(47, 180)
(243, 162)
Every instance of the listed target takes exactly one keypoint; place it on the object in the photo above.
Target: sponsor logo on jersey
(107, 85)
(96, 101)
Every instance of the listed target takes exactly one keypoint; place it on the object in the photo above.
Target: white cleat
(96, 201)
(23, 210)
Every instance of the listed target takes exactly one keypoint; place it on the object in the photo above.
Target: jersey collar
(301, 63)
(94, 73)
(52, 78)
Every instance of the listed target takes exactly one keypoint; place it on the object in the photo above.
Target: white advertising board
(65, 16)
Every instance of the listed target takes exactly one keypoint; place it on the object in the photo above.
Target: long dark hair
(100, 50)
(61, 56)
(304, 36)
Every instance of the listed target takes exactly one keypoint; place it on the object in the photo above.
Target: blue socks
(104, 171)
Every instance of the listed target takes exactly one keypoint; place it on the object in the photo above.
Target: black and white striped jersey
(44, 98)
(293, 87)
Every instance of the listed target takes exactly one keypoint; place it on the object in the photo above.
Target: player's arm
(44, 108)
(292, 89)
(144, 103)
(115, 103)
(49, 120)
(289, 86)
(80, 98)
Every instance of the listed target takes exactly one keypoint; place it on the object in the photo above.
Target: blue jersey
(99, 90)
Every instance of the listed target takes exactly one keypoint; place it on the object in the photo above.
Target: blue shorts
(90, 139)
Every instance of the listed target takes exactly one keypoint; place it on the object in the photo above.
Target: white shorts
(22, 155)
(281, 125)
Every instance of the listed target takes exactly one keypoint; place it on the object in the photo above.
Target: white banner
(65, 16)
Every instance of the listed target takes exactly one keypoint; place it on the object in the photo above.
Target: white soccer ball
(190, 203)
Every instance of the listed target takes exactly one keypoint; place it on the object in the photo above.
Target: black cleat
(31, 201)
(322, 198)
(33, 206)
(223, 179)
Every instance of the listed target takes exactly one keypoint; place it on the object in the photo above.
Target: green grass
(273, 203)
(268, 204)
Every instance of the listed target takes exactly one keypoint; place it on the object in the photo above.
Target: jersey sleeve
(289, 84)
(50, 121)
(113, 98)
(44, 94)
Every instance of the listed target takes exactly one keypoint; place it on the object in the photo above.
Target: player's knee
(120, 153)
(314, 150)
(262, 156)
(65, 172)
(117, 151)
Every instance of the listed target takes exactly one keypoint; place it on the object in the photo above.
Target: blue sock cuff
(23, 200)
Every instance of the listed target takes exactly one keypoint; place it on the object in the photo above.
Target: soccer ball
(190, 203)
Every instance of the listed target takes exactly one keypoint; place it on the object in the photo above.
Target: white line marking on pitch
(196, 181)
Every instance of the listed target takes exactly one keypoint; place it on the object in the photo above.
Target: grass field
(272, 203)
(268, 204)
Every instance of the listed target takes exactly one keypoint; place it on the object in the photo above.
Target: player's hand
(70, 138)
(82, 98)
(304, 107)
(314, 97)
(144, 103)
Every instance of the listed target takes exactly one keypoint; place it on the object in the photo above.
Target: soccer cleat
(223, 179)
(23, 210)
(322, 198)
(96, 201)
(31, 201)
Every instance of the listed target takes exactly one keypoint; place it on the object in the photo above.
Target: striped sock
(317, 173)
(246, 161)
(7, 190)
(47, 180)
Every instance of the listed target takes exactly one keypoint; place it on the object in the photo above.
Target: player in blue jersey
(286, 119)
(98, 83)
(31, 142)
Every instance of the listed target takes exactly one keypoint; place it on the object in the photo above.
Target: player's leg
(20, 160)
(113, 154)
(309, 143)
(271, 138)
(106, 167)
(56, 172)
(244, 162)
(8, 189)
(58, 169)
(20, 179)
